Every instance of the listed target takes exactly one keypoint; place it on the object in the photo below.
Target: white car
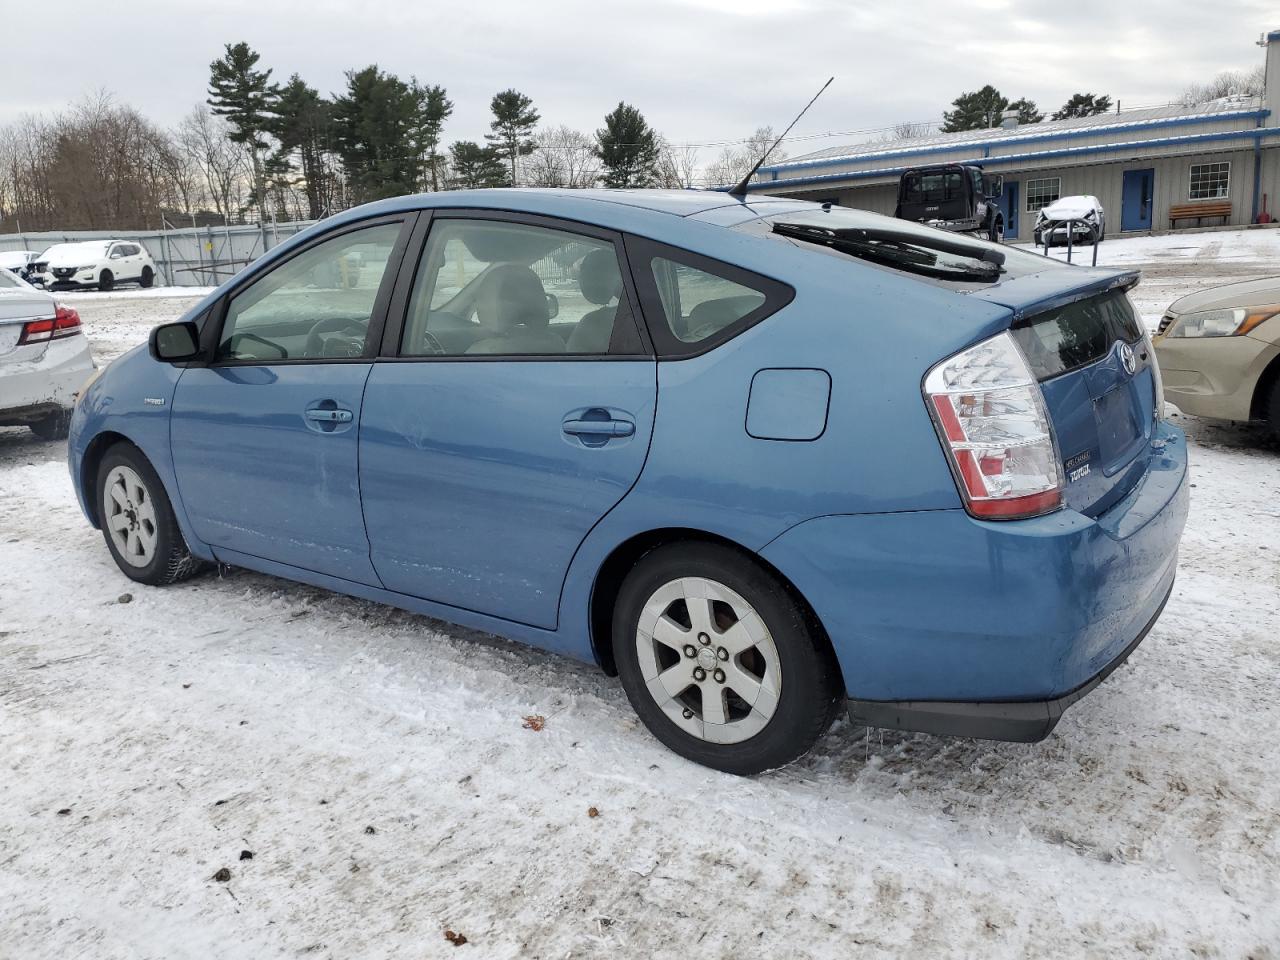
(17, 261)
(44, 359)
(94, 263)
(1084, 215)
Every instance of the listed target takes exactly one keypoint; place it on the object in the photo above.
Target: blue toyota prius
(761, 458)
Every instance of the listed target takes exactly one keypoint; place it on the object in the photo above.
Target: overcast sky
(700, 70)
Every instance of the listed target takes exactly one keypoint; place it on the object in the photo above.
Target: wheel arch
(1262, 389)
(93, 454)
(619, 562)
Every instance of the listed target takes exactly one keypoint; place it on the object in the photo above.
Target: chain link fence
(184, 256)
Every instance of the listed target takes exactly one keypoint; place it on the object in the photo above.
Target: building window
(1209, 181)
(1041, 193)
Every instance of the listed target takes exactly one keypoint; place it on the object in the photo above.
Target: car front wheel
(106, 280)
(137, 520)
(720, 662)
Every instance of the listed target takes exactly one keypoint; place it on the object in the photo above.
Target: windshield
(903, 245)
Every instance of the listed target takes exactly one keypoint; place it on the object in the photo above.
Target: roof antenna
(741, 189)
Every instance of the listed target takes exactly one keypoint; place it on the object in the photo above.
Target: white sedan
(1083, 215)
(44, 359)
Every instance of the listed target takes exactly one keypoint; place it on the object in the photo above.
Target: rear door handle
(329, 416)
(599, 428)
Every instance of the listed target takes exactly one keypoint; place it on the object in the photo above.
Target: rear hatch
(1097, 372)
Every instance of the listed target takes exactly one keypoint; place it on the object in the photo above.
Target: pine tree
(301, 125)
(477, 166)
(432, 109)
(513, 125)
(1083, 105)
(373, 125)
(245, 96)
(628, 148)
(1028, 112)
(974, 111)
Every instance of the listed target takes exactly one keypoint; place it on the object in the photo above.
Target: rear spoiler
(1051, 289)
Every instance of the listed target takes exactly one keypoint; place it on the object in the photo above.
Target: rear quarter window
(693, 303)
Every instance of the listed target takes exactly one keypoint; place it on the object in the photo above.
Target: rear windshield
(1078, 334)
(907, 237)
(933, 186)
(7, 279)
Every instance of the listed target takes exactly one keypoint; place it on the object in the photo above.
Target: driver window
(513, 289)
(314, 306)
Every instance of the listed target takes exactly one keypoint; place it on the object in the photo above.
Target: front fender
(130, 401)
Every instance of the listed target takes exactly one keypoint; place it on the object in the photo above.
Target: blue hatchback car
(762, 458)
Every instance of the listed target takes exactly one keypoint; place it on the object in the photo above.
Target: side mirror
(995, 186)
(553, 306)
(175, 342)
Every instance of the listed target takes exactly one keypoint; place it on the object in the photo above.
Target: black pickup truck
(954, 196)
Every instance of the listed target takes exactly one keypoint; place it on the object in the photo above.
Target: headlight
(1221, 323)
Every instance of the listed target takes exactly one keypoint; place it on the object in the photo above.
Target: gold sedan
(1219, 352)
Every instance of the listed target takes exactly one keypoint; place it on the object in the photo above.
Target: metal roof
(1128, 122)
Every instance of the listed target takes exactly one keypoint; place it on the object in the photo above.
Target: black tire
(106, 280)
(811, 687)
(52, 427)
(996, 231)
(171, 560)
(1273, 411)
(147, 279)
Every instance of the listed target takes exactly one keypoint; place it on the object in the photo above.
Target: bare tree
(223, 165)
(1245, 83)
(677, 165)
(734, 162)
(562, 157)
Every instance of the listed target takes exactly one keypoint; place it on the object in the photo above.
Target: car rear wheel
(137, 520)
(52, 427)
(106, 280)
(997, 231)
(148, 277)
(720, 662)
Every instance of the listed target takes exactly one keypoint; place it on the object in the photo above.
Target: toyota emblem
(1127, 358)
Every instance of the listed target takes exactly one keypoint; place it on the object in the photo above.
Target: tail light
(64, 323)
(991, 418)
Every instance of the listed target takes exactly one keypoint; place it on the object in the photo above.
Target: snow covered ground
(378, 768)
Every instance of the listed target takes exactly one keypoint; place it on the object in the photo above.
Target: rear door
(512, 409)
(264, 439)
(1136, 199)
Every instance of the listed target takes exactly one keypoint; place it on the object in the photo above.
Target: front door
(509, 416)
(264, 439)
(1009, 207)
(1135, 201)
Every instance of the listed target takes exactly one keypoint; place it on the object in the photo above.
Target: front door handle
(599, 428)
(329, 416)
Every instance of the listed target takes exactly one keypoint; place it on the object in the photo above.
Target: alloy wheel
(129, 515)
(708, 660)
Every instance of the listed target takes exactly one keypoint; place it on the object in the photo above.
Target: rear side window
(693, 303)
(1078, 334)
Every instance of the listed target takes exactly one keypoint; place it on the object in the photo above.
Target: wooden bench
(1199, 210)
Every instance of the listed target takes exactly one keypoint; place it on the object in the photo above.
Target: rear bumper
(51, 379)
(1021, 721)
(938, 606)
